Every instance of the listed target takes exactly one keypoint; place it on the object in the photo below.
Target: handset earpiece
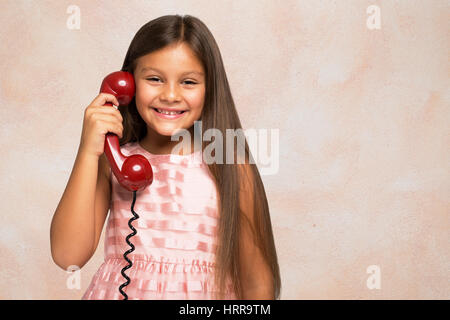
(134, 172)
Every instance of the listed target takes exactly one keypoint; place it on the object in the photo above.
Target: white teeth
(168, 112)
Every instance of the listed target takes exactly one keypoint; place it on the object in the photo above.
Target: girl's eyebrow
(184, 73)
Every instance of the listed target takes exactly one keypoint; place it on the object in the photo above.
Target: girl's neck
(155, 143)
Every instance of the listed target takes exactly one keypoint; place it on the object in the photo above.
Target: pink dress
(176, 233)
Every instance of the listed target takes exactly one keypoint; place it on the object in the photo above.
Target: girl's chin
(167, 130)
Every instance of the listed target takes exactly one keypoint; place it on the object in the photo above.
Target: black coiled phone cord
(127, 239)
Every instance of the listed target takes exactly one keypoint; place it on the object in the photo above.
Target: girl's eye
(189, 82)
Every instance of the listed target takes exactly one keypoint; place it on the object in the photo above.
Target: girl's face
(170, 79)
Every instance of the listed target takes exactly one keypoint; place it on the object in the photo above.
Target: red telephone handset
(134, 172)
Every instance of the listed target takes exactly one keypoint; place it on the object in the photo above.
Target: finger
(109, 110)
(106, 117)
(104, 98)
(114, 127)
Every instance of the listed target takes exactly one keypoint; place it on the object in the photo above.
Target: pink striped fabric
(176, 233)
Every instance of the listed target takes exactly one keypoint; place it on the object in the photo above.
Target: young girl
(204, 230)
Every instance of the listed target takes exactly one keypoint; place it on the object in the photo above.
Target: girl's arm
(78, 220)
(256, 278)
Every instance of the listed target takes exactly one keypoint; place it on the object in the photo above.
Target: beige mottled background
(364, 118)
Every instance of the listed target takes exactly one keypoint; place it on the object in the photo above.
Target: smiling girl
(204, 230)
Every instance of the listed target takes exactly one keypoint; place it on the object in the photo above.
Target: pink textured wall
(363, 117)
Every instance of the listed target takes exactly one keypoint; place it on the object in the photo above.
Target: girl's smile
(169, 114)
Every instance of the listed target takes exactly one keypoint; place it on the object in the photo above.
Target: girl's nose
(170, 93)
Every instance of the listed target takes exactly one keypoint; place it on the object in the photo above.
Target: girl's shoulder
(129, 146)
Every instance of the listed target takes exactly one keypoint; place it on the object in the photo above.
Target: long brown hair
(219, 112)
